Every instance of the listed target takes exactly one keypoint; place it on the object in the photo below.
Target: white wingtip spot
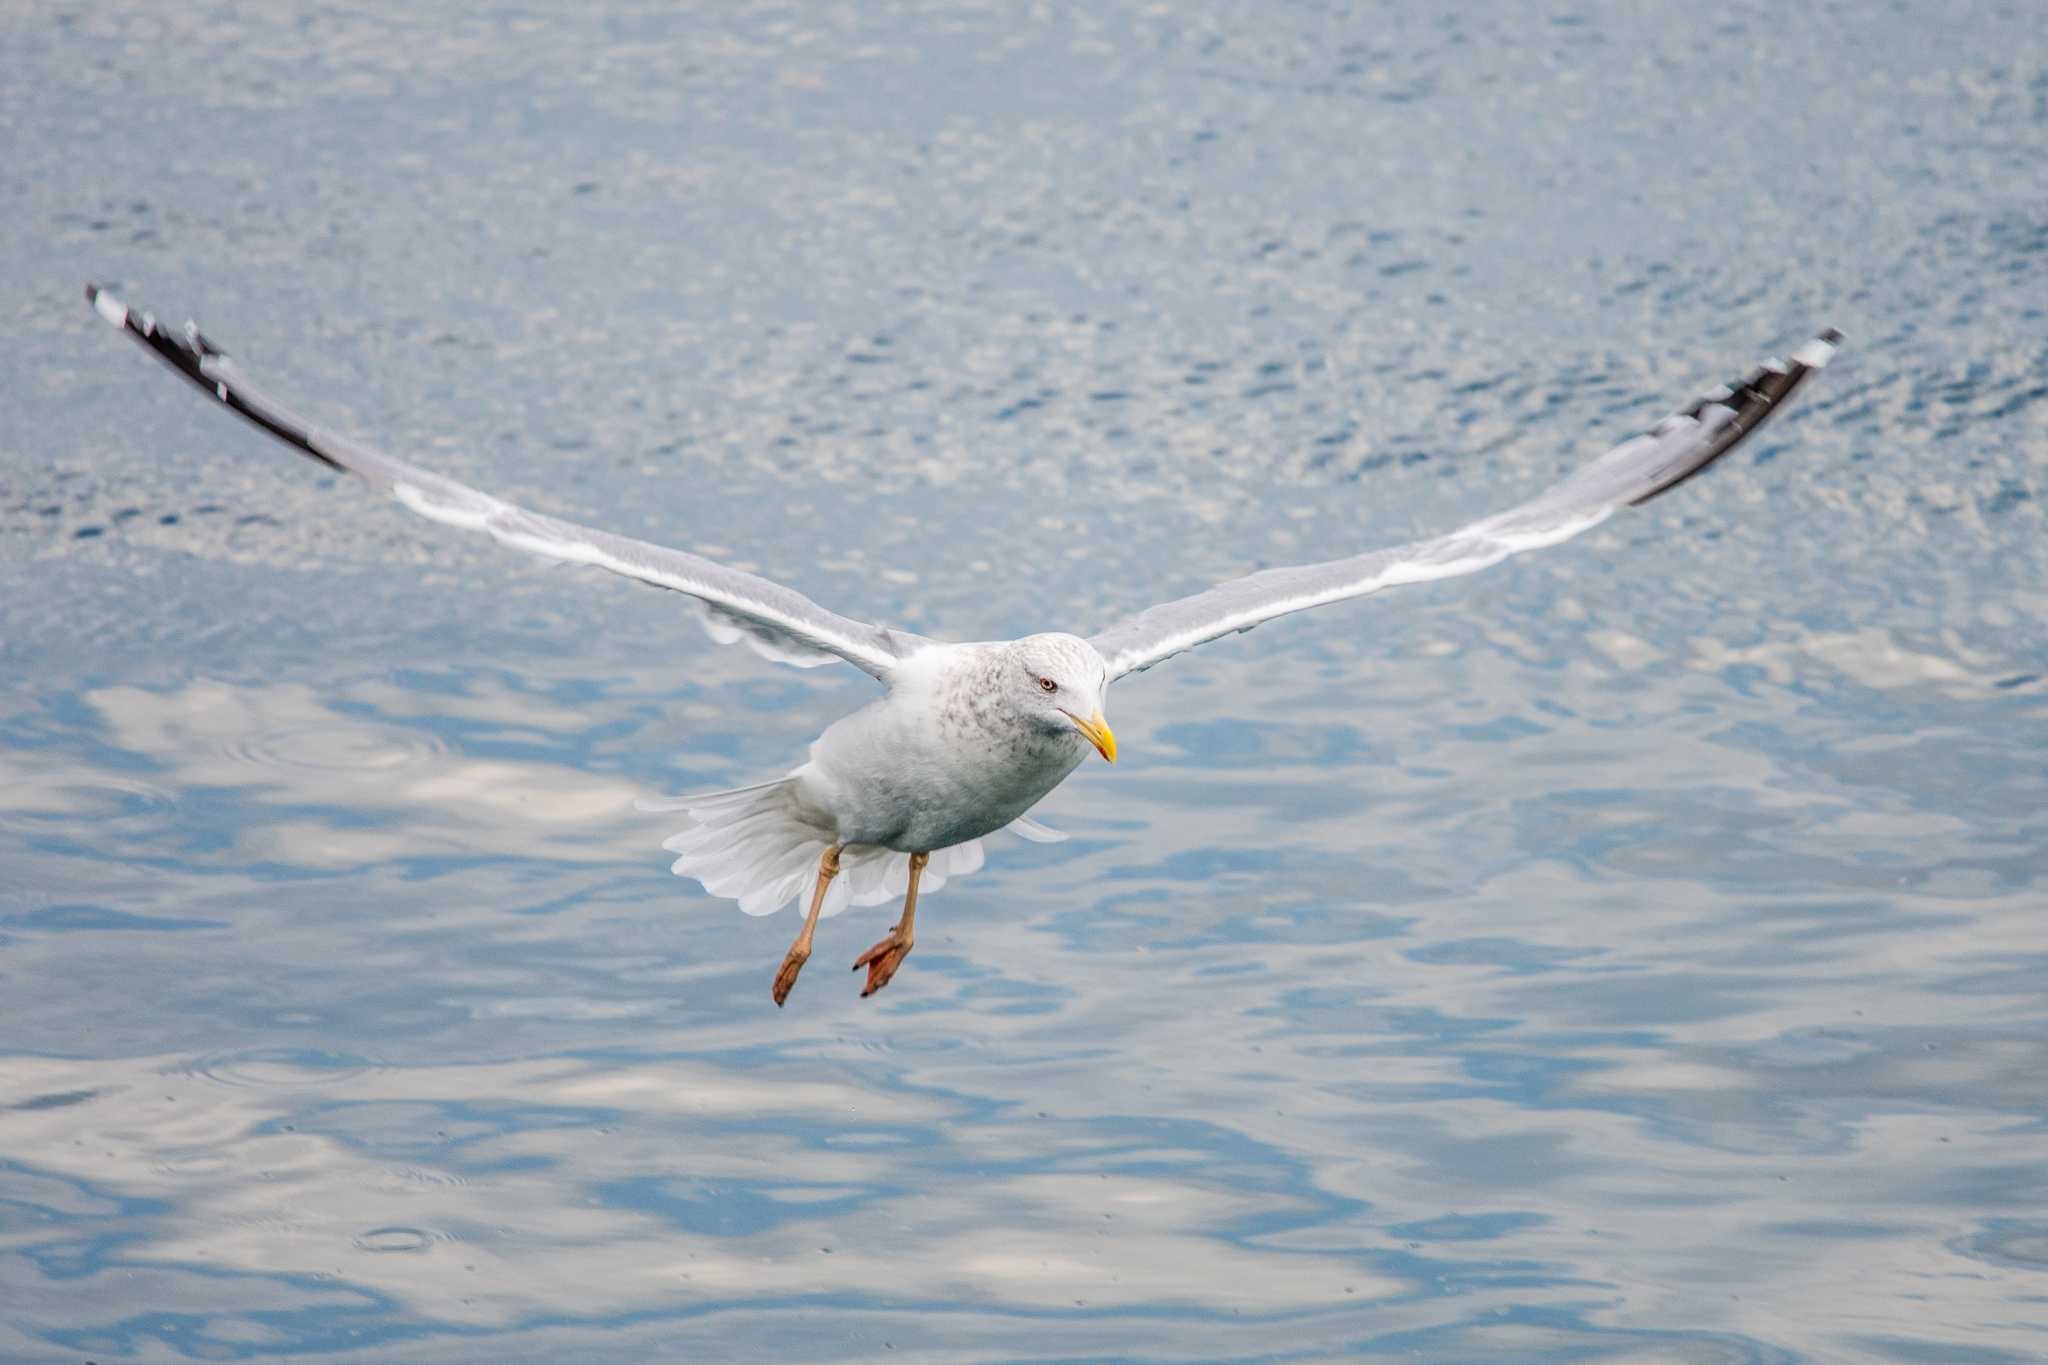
(110, 308)
(1815, 354)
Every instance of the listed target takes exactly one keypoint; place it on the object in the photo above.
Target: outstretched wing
(1633, 472)
(778, 622)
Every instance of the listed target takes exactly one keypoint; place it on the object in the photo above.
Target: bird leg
(885, 957)
(800, 951)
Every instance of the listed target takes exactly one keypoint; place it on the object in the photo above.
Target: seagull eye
(1048, 685)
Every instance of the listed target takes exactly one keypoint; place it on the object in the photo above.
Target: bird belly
(910, 788)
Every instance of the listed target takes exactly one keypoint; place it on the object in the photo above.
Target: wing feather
(1632, 473)
(777, 622)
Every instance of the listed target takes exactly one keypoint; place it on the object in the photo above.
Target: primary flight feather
(966, 738)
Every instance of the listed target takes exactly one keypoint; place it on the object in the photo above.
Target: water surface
(1633, 953)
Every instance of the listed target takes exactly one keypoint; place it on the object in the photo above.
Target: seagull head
(1059, 681)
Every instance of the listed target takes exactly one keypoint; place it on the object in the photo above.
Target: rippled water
(1633, 953)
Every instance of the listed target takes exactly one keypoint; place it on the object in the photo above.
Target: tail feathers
(755, 846)
(707, 801)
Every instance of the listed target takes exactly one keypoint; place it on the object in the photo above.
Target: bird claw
(882, 960)
(785, 976)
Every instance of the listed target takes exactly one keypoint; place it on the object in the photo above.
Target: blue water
(1633, 953)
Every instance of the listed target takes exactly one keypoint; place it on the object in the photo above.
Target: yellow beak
(1098, 732)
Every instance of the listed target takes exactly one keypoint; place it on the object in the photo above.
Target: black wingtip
(194, 357)
(1750, 403)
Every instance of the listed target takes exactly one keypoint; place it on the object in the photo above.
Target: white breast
(937, 761)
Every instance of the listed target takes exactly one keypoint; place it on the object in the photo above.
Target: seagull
(965, 738)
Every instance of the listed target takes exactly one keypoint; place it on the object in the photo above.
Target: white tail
(756, 846)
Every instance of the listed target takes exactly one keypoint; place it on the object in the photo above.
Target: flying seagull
(965, 738)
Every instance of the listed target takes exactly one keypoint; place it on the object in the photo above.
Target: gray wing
(1633, 472)
(775, 621)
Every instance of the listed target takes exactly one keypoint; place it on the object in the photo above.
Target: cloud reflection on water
(1541, 1017)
